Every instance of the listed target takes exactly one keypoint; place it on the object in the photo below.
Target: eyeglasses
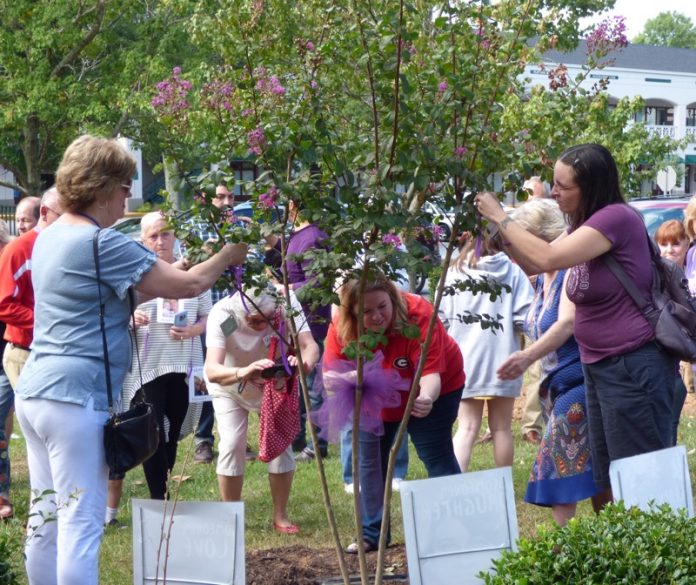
(52, 210)
(127, 187)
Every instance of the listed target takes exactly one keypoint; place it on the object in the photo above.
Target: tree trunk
(172, 181)
(32, 156)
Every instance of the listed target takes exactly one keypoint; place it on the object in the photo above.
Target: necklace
(89, 217)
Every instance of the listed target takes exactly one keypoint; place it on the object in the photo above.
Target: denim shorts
(629, 406)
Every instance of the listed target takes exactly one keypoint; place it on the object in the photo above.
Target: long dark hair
(596, 175)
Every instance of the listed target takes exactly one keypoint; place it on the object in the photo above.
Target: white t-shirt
(242, 347)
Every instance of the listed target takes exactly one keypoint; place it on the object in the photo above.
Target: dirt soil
(299, 565)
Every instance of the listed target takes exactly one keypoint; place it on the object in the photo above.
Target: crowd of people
(603, 388)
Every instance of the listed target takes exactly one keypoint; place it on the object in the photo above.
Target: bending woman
(388, 311)
(240, 344)
(61, 395)
(562, 471)
(629, 378)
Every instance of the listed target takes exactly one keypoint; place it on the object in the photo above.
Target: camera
(277, 372)
(181, 319)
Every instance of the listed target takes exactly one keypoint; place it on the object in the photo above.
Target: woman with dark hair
(629, 378)
(388, 311)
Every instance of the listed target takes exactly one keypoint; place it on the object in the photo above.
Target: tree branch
(96, 28)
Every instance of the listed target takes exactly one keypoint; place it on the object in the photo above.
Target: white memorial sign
(456, 525)
(205, 545)
(660, 476)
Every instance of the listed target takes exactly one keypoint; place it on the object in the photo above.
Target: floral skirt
(562, 471)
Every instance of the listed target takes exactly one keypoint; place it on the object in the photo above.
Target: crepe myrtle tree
(362, 111)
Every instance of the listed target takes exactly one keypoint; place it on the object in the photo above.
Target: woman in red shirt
(387, 310)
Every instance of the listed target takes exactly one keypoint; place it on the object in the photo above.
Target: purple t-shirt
(304, 239)
(607, 321)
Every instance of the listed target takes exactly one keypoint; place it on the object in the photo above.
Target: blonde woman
(484, 349)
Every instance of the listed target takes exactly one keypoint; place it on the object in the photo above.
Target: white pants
(65, 452)
(232, 423)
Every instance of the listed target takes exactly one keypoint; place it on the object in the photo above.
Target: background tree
(668, 29)
(69, 67)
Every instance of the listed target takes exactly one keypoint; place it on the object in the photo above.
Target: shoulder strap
(626, 282)
(107, 364)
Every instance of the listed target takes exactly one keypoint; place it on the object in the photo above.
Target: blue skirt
(562, 471)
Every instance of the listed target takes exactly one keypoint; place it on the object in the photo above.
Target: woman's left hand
(186, 332)
(293, 361)
(422, 406)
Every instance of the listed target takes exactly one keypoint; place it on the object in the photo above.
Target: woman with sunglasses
(247, 342)
(61, 396)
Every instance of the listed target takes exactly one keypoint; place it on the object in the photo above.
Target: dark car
(657, 210)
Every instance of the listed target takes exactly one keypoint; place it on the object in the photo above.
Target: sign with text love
(659, 476)
(455, 526)
(196, 543)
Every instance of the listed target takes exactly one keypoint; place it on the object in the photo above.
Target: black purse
(132, 436)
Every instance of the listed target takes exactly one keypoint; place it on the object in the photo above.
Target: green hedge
(618, 546)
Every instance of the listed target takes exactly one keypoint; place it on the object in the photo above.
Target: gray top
(67, 360)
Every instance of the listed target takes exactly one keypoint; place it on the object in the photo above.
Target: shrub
(618, 546)
(9, 549)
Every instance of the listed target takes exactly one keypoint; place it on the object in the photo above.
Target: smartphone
(277, 371)
(181, 319)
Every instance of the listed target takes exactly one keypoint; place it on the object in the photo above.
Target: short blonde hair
(690, 217)
(149, 219)
(256, 302)
(92, 167)
(541, 217)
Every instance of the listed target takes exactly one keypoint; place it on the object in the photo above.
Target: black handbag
(132, 436)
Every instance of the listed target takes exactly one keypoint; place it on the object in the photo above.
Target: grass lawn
(306, 507)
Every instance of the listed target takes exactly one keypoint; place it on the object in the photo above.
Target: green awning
(690, 159)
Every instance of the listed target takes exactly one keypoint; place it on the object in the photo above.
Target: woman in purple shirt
(629, 378)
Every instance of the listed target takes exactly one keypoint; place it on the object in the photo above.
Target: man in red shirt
(17, 303)
(17, 292)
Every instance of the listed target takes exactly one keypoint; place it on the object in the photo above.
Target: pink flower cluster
(607, 35)
(217, 95)
(268, 84)
(442, 88)
(460, 151)
(256, 140)
(172, 93)
(392, 240)
(269, 198)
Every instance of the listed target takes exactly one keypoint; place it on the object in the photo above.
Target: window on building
(656, 116)
(691, 117)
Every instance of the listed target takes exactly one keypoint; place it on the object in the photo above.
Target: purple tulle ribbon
(238, 272)
(381, 389)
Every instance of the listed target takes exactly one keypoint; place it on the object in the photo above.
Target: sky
(637, 12)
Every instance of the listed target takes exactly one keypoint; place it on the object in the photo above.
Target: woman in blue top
(61, 395)
(562, 472)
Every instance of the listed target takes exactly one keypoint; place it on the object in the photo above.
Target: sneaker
(396, 484)
(203, 453)
(348, 488)
(307, 454)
